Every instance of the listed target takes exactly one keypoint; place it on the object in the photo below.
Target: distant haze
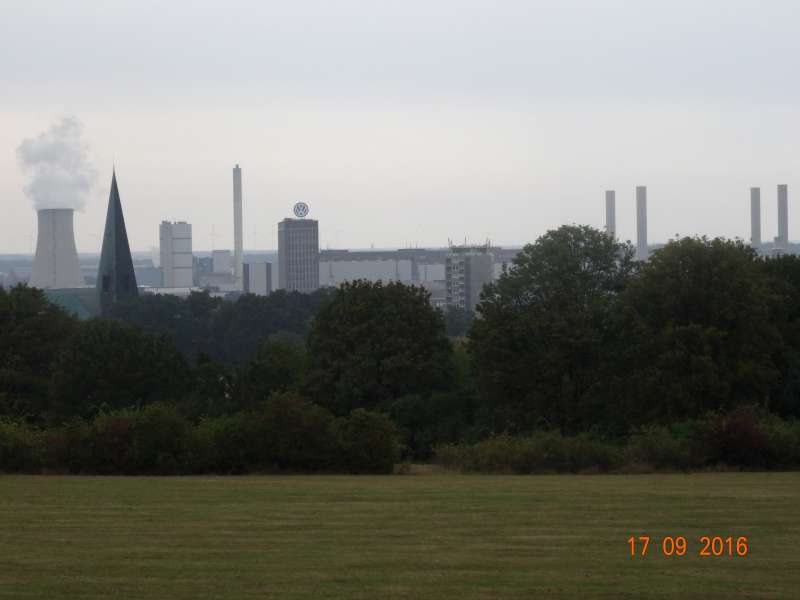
(56, 162)
(408, 121)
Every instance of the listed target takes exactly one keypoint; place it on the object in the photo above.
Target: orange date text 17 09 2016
(677, 545)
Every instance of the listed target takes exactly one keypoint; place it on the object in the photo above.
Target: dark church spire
(115, 277)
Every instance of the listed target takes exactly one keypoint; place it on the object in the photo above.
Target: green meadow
(414, 536)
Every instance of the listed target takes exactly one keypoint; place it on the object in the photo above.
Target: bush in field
(734, 438)
(367, 442)
(226, 444)
(68, 447)
(295, 434)
(112, 436)
(658, 447)
(782, 441)
(19, 447)
(588, 453)
(161, 442)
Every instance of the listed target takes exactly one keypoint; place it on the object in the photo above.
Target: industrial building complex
(454, 275)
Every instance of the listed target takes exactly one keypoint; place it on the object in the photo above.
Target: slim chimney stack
(611, 214)
(782, 241)
(641, 223)
(755, 217)
(238, 242)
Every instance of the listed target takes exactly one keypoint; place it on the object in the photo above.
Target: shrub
(161, 440)
(367, 442)
(67, 449)
(19, 447)
(112, 436)
(588, 453)
(658, 447)
(782, 441)
(227, 444)
(295, 434)
(734, 438)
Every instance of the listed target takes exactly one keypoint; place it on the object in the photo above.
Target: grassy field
(423, 536)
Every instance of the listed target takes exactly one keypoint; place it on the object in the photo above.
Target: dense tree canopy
(108, 364)
(546, 327)
(32, 333)
(575, 337)
(697, 323)
(374, 343)
(229, 332)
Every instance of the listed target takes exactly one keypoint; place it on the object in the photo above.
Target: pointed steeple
(115, 277)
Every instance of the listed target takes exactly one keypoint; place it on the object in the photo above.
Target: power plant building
(176, 254)
(55, 264)
(116, 279)
(467, 269)
(642, 252)
(298, 255)
(258, 278)
(221, 262)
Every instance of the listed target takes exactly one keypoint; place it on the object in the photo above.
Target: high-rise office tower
(176, 254)
(467, 269)
(755, 217)
(238, 240)
(55, 264)
(782, 241)
(116, 279)
(611, 213)
(641, 223)
(298, 255)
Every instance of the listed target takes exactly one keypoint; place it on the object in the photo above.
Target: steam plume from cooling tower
(56, 159)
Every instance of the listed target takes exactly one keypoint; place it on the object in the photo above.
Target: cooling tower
(56, 261)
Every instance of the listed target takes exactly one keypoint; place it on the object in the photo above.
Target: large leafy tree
(783, 279)
(109, 365)
(699, 333)
(374, 343)
(32, 333)
(187, 321)
(546, 327)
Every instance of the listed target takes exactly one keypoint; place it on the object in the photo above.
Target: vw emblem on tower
(300, 209)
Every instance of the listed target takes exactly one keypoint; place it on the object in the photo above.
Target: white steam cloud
(61, 174)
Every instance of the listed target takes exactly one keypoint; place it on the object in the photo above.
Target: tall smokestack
(238, 243)
(755, 217)
(56, 262)
(611, 214)
(641, 223)
(782, 241)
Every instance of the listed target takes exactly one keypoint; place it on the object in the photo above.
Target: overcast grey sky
(408, 122)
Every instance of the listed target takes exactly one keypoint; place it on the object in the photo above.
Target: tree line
(574, 339)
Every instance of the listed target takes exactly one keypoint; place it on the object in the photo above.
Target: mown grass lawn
(419, 536)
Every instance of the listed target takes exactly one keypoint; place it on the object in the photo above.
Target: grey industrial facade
(467, 270)
(298, 255)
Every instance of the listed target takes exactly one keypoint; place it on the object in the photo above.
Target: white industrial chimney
(641, 223)
(782, 241)
(238, 242)
(611, 214)
(56, 262)
(755, 217)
